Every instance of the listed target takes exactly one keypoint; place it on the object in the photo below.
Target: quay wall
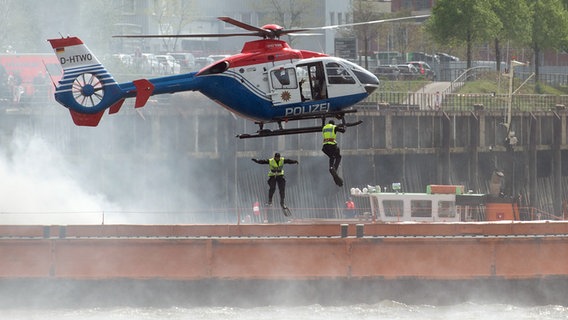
(461, 252)
(180, 141)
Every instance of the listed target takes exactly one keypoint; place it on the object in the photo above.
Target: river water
(384, 310)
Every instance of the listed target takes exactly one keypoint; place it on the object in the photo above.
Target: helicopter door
(284, 86)
(311, 80)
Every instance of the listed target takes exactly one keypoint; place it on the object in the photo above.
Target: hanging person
(330, 148)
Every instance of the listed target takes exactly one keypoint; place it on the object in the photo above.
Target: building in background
(190, 17)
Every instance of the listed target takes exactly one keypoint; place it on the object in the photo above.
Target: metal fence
(466, 102)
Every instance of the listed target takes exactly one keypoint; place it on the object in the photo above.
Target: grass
(485, 82)
(489, 82)
(402, 86)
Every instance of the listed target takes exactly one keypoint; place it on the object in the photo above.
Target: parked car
(408, 72)
(186, 60)
(168, 64)
(201, 62)
(422, 56)
(125, 59)
(389, 72)
(424, 69)
(148, 63)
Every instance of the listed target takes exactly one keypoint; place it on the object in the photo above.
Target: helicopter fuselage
(270, 80)
(267, 82)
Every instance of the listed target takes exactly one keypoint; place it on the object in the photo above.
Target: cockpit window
(363, 75)
(284, 78)
(337, 74)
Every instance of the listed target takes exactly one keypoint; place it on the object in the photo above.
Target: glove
(297, 162)
(253, 159)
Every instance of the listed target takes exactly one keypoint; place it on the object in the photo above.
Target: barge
(384, 254)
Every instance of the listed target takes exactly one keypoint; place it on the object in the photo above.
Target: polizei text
(319, 107)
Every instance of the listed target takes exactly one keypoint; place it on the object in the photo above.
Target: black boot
(336, 178)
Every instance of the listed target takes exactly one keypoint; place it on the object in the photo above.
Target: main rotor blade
(259, 32)
(372, 22)
(241, 24)
(193, 35)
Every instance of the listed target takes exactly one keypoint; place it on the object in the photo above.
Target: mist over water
(384, 310)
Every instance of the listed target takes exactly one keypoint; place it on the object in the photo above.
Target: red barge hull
(252, 264)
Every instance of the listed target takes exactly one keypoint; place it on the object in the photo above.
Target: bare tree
(363, 10)
(288, 13)
(6, 11)
(172, 17)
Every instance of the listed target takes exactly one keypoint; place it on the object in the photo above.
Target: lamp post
(510, 100)
(510, 139)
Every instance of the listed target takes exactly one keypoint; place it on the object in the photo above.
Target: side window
(393, 208)
(337, 74)
(446, 209)
(421, 208)
(284, 79)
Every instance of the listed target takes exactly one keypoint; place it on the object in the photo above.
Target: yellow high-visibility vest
(328, 134)
(276, 168)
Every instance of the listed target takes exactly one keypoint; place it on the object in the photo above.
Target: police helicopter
(267, 82)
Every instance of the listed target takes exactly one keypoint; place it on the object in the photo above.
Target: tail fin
(87, 89)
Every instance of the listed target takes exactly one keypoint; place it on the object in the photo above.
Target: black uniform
(276, 176)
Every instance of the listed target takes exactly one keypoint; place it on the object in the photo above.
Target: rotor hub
(88, 90)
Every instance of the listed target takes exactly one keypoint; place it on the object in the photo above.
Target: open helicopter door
(305, 82)
(312, 81)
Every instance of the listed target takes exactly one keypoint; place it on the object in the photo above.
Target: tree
(18, 32)
(515, 17)
(464, 21)
(98, 32)
(364, 11)
(287, 13)
(172, 17)
(549, 28)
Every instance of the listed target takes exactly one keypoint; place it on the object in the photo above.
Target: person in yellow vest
(276, 176)
(330, 148)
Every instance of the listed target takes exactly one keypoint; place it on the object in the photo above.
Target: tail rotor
(88, 90)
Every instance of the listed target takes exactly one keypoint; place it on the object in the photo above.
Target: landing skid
(262, 132)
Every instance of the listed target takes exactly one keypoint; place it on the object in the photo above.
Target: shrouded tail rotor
(88, 90)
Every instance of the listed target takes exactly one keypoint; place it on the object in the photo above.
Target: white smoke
(39, 186)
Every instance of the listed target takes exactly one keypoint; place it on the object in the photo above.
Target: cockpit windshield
(364, 76)
(337, 74)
